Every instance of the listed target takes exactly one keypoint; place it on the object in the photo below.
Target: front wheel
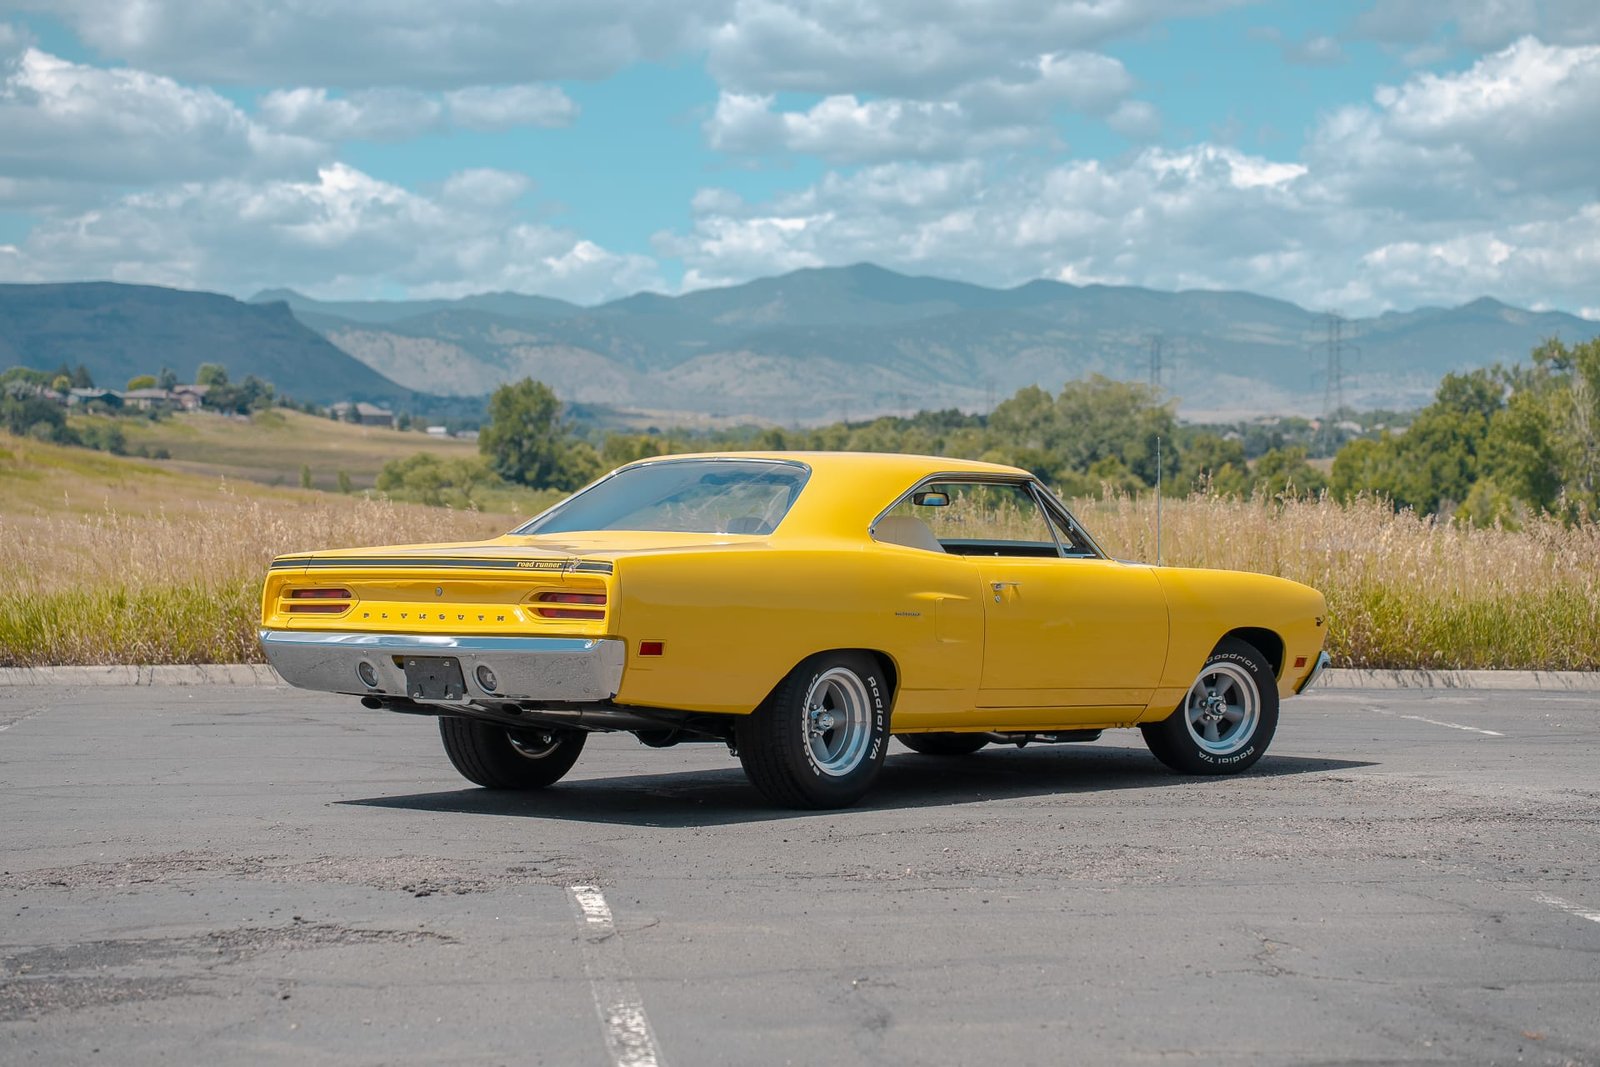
(497, 758)
(1226, 720)
(819, 740)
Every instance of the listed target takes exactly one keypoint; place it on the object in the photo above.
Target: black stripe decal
(527, 566)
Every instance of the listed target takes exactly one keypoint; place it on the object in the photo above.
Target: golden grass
(272, 446)
(107, 560)
(1403, 591)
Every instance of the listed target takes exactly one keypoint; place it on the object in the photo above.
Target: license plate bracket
(435, 678)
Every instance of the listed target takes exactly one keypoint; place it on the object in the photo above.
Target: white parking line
(4, 726)
(629, 1038)
(1567, 906)
(1437, 722)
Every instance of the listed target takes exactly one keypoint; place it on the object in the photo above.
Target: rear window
(738, 496)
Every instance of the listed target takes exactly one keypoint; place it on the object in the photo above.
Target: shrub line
(259, 674)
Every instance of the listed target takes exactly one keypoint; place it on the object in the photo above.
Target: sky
(1358, 156)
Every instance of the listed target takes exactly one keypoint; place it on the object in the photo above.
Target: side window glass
(972, 518)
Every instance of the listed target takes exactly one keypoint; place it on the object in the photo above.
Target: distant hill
(854, 341)
(120, 331)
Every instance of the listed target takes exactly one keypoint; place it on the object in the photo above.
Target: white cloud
(1316, 51)
(363, 43)
(501, 107)
(1518, 122)
(1483, 25)
(1137, 119)
(345, 233)
(394, 114)
(369, 115)
(1206, 216)
(1553, 256)
(977, 118)
(843, 129)
(919, 49)
(74, 122)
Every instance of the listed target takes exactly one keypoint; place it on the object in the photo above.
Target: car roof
(848, 490)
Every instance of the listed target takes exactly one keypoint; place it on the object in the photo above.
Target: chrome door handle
(999, 587)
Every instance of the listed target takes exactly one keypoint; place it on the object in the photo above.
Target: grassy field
(270, 447)
(1403, 591)
(111, 560)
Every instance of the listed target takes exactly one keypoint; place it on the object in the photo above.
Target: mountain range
(828, 343)
(812, 345)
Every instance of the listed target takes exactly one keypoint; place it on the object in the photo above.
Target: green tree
(212, 374)
(344, 481)
(525, 438)
(1284, 472)
(428, 479)
(81, 379)
(142, 381)
(1433, 465)
(305, 476)
(1214, 463)
(167, 379)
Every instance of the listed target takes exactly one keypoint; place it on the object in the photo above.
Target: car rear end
(449, 624)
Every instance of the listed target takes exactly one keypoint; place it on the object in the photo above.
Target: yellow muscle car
(801, 608)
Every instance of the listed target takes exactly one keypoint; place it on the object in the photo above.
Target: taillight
(305, 601)
(585, 605)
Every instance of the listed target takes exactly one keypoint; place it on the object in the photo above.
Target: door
(1066, 632)
(1063, 627)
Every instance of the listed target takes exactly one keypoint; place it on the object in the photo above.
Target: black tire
(943, 744)
(1202, 736)
(822, 757)
(497, 758)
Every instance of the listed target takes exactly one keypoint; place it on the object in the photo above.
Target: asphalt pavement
(264, 876)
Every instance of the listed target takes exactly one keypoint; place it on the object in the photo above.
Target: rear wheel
(497, 758)
(1227, 718)
(819, 740)
(943, 744)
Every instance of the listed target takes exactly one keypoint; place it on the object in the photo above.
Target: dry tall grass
(108, 561)
(180, 586)
(1403, 590)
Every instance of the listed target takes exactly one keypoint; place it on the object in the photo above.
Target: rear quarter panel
(735, 621)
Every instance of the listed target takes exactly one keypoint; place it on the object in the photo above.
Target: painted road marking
(1437, 722)
(629, 1038)
(4, 726)
(1567, 906)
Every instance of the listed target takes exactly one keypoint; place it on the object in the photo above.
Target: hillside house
(151, 399)
(78, 398)
(366, 414)
(190, 397)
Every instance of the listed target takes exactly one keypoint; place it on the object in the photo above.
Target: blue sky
(1363, 155)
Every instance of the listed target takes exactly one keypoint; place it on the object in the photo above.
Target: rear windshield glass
(739, 496)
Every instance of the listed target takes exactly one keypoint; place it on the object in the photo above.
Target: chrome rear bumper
(555, 669)
(1316, 672)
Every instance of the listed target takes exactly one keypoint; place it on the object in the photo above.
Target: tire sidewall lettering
(875, 748)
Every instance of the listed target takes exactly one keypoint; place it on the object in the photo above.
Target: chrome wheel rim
(1222, 709)
(533, 744)
(838, 721)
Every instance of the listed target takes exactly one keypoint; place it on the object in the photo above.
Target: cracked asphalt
(264, 876)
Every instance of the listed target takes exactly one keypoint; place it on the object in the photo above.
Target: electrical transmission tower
(1335, 348)
(1154, 344)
